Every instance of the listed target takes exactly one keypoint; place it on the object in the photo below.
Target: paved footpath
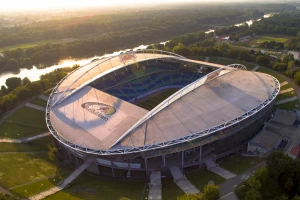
(283, 83)
(44, 97)
(30, 105)
(286, 100)
(285, 91)
(255, 68)
(229, 185)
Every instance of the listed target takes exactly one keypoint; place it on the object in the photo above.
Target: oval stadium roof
(211, 101)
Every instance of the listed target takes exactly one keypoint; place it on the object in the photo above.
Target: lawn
(201, 58)
(262, 39)
(38, 101)
(213, 59)
(28, 116)
(17, 131)
(287, 86)
(21, 168)
(285, 95)
(272, 73)
(238, 164)
(36, 187)
(170, 190)
(36, 145)
(202, 177)
(85, 187)
(156, 99)
(288, 106)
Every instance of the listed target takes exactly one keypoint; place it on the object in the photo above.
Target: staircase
(155, 186)
(63, 183)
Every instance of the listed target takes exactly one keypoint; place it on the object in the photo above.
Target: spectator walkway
(62, 184)
(213, 167)
(182, 182)
(287, 90)
(283, 84)
(155, 186)
(285, 100)
(30, 105)
(25, 140)
(255, 68)
(43, 97)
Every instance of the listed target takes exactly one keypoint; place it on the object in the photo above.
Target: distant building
(271, 137)
(295, 152)
(296, 54)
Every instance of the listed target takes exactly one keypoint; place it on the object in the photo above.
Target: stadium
(150, 109)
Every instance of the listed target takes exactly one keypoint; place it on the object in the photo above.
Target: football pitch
(153, 100)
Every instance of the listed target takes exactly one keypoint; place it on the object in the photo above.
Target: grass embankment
(26, 168)
(24, 122)
(268, 38)
(286, 106)
(40, 102)
(85, 187)
(237, 164)
(202, 177)
(228, 61)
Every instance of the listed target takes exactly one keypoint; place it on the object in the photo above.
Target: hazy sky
(45, 4)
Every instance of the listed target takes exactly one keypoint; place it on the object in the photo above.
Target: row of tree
(279, 180)
(209, 192)
(19, 90)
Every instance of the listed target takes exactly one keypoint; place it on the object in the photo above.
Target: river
(35, 73)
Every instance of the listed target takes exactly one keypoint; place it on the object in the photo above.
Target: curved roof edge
(163, 144)
(180, 93)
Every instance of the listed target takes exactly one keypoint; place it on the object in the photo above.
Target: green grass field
(17, 131)
(201, 58)
(262, 39)
(29, 116)
(272, 73)
(20, 168)
(288, 106)
(24, 122)
(85, 187)
(36, 187)
(36, 145)
(26, 45)
(38, 101)
(202, 177)
(170, 190)
(237, 164)
(156, 99)
(285, 95)
(287, 86)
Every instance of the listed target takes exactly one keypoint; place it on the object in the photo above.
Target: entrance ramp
(182, 182)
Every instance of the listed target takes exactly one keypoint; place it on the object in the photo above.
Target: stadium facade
(150, 109)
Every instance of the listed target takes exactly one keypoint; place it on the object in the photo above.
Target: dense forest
(101, 34)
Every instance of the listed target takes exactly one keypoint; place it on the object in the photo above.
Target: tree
(12, 64)
(296, 198)
(253, 194)
(297, 78)
(25, 81)
(12, 83)
(211, 192)
(291, 64)
(287, 58)
(263, 60)
(254, 183)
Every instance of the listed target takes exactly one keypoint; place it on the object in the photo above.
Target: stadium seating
(137, 79)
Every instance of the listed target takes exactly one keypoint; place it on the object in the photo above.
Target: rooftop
(219, 100)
